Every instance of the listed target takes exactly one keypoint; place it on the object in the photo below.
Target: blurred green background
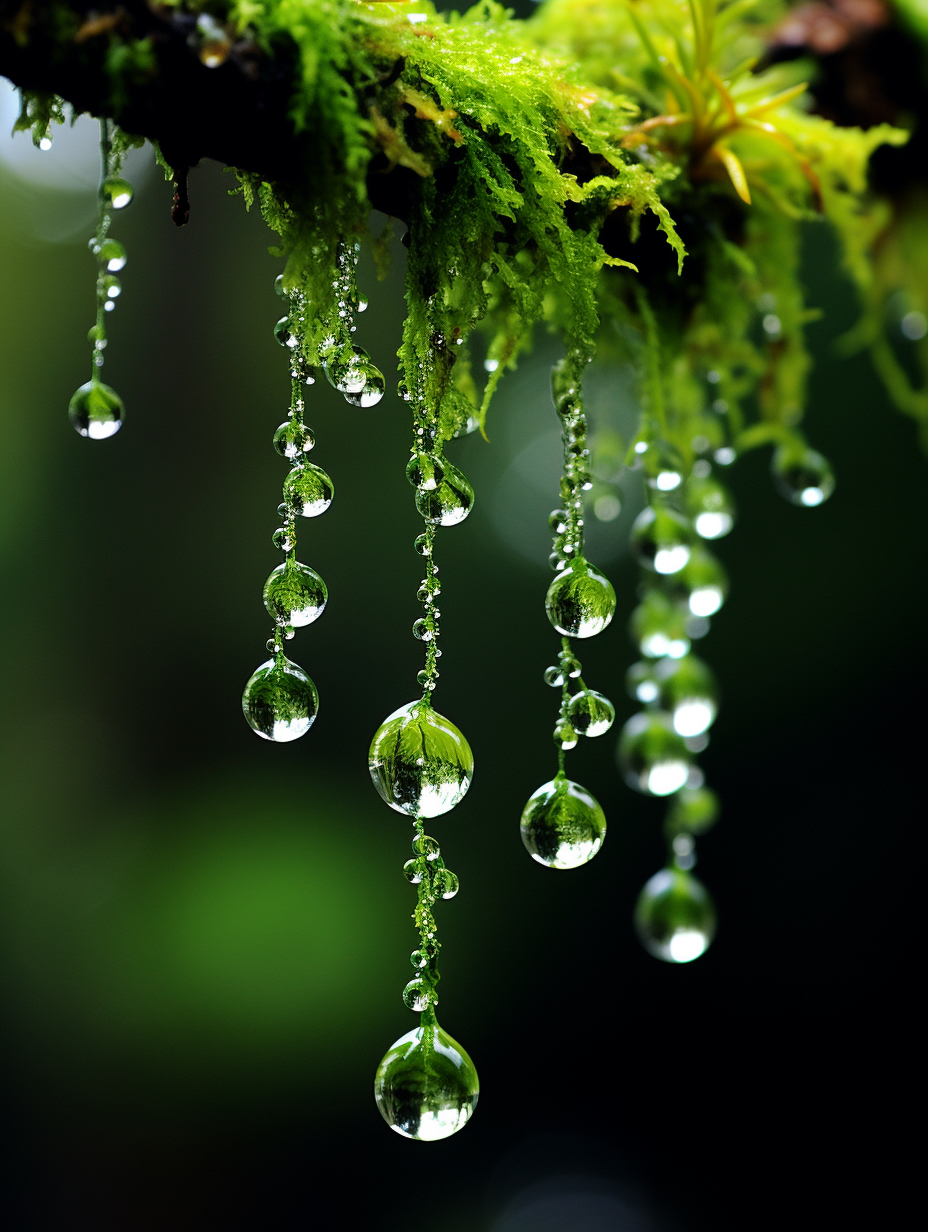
(203, 937)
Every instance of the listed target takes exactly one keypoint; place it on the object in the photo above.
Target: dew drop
(113, 255)
(294, 594)
(554, 676)
(710, 506)
(412, 871)
(292, 439)
(580, 601)
(562, 825)
(450, 502)
(418, 995)
(425, 471)
(661, 539)
(652, 756)
(279, 287)
(96, 411)
(445, 883)
(422, 631)
(804, 477)
(284, 539)
(308, 490)
(111, 286)
(419, 762)
(674, 916)
(280, 701)
(116, 193)
(422, 545)
(425, 845)
(658, 627)
(693, 810)
(663, 466)
(565, 737)
(701, 586)
(284, 334)
(426, 1087)
(688, 693)
(590, 713)
(358, 379)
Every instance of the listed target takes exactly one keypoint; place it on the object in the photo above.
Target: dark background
(204, 936)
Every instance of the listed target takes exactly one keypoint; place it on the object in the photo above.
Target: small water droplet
(701, 586)
(422, 545)
(562, 825)
(557, 520)
(412, 871)
(450, 502)
(427, 679)
(688, 693)
(710, 506)
(418, 995)
(658, 627)
(590, 713)
(661, 539)
(308, 490)
(580, 601)
(652, 756)
(426, 1087)
(116, 193)
(425, 471)
(112, 255)
(804, 477)
(358, 379)
(45, 143)
(663, 466)
(284, 539)
(554, 676)
(427, 846)
(294, 594)
(280, 701)
(445, 883)
(422, 631)
(419, 762)
(279, 287)
(284, 334)
(565, 737)
(292, 439)
(96, 411)
(674, 916)
(110, 286)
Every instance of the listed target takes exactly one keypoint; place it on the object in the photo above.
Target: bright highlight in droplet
(694, 716)
(671, 559)
(685, 945)
(705, 600)
(666, 777)
(713, 525)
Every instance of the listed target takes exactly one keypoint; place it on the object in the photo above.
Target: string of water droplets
(426, 1086)
(562, 825)
(96, 410)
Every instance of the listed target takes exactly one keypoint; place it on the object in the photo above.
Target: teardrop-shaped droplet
(294, 594)
(565, 737)
(279, 287)
(116, 192)
(292, 439)
(371, 391)
(701, 585)
(710, 506)
(450, 502)
(280, 701)
(590, 713)
(425, 471)
(658, 627)
(562, 825)
(96, 411)
(285, 335)
(674, 916)
(112, 254)
(419, 761)
(688, 693)
(445, 883)
(803, 476)
(422, 545)
(653, 758)
(427, 846)
(661, 539)
(693, 810)
(426, 1087)
(357, 378)
(580, 601)
(308, 490)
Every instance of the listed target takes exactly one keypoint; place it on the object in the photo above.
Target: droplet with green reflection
(590, 713)
(674, 916)
(280, 701)
(96, 411)
(562, 825)
(661, 539)
(450, 502)
(294, 594)
(803, 476)
(308, 490)
(419, 762)
(426, 1086)
(652, 756)
(580, 601)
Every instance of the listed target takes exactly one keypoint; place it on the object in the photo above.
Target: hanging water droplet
(658, 627)
(419, 762)
(418, 995)
(641, 684)
(308, 490)
(422, 630)
(96, 411)
(422, 545)
(112, 255)
(445, 883)
(558, 561)
(661, 539)
(562, 825)
(653, 758)
(693, 810)
(280, 701)
(292, 439)
(428, 679)
(558, 521)
(284, 335)
(580, 601)
(423, 957)
(357, 378)
(284, 539)
(710, 506)
(590, 713)
(294, 594)
(425, 845)
(371, 391)
(450, 502)
(554, 676)
(663, 466)
(674, 916)
(688, 693)
(110, 286)
(116, 192)
(701, 585)
(565, 737)
(803, 476)
(426, 1086)
(412, 871)
(279, 287)
(425, 471)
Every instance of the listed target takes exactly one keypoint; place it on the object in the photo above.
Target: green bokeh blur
(203, 937)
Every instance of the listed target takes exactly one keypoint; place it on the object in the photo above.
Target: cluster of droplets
(426, 1086)
(96, 410)
(562, 825)
(280, 701)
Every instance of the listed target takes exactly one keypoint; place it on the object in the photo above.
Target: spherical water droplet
(710, 506)
(688, 693)
(659, 627)
(358, 379)
(692, 811)
(371, 391)
(45, 143)
(422, 957)
(580, 601)
(412, 871)
(450, 502)
(284, 334)
(803, 476)
(422, 545)
(701, 585)
(661, 539)
(663, 466)
(116, 193)
(419, 762)
(562, 825)
(427, 846)
(554, 677)
(428, 679)
(426, 1086)
(280, 701)
(558, 561)
(422, 631)
(279, 287)
(674, 916)
(641, 684)
(292, 439)
(418, 995)
(284, 539)
(590, 713)
(96, 411)
(445, 883)
(565, 737)
(111, 286)
(557, 520)
(308, 490)
(294, 594)
(425, 470)
(653, 758)
(112, 255)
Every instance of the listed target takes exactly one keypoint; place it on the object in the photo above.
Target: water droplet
(565, 737)
(96, 411)
(422, 630)
(284, 539)
(710, 506)
(557, 520)
(292, 439)
(701, 585)
(422, 545)
(426, 1086)
(591, 713)
(284, 334)
(661, 539)
(423, 957)
(45, 143)
(554, 677)
(659, 627)
(418, 995)
(692, 811)
(640, 683)
(663, 466)
(803, 476)
(428, 679)
(445, 883)
(427, 846)
(280, 701)
(412, 871)
(113, 255)
(358, 379)
(308, 490)
(279, 287)
(580, 601)
(294, 594)
(419, 761)
(116, 193)
(450, 502)
(562, 825)
(688, 693)
(110, 286)
(674, 916)
(652, 757)
(425, 471)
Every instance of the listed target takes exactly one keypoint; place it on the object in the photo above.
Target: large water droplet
(294, 594)
(674, 916)
(590, 712)
(580, 601)
(425, 470)
(710, 506)
(688, 693)
(292, 439)
(652, 756)
(419, 761)
(116, 192)
(280, 701)
(426, 1086)
(308, 490)
(803, 476)
(661, 539)
(285, 335)
(96, 411)
(450, 502)
(562, 825)
(358, 378)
